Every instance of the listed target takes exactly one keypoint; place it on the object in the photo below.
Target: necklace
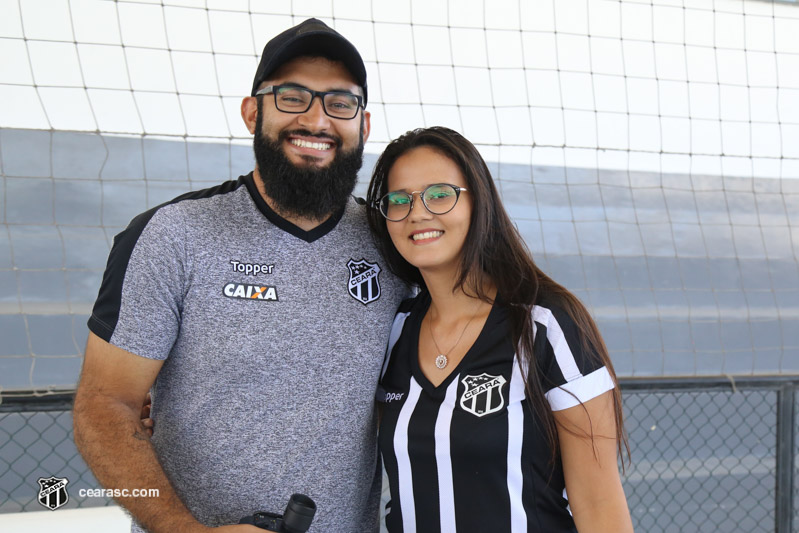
(441, 359)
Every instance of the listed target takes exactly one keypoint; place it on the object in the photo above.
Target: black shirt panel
(105, 313)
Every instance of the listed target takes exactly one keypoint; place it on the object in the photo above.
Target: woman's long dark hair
(493, 251)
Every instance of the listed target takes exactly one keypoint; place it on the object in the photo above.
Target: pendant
(441, 361)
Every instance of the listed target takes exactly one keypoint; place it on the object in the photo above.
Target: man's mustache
(305, 133)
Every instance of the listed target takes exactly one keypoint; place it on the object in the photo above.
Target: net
(647, 151)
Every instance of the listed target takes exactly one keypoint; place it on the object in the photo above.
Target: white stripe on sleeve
(584, 388)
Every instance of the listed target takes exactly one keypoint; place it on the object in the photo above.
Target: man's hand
(146, 421)
(113, 429)
(116, 446)
(238, 528)
(241, 528)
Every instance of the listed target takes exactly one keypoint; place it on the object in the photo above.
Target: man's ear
(367, 125)
(249, 112)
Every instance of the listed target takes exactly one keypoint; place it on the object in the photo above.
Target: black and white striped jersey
(469, 455)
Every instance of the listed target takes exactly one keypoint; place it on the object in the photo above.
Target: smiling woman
(431, 242)
(517, 420)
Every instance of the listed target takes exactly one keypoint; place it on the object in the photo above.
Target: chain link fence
(704, 456)
(708, 455)
(796, 460)
(36, 442)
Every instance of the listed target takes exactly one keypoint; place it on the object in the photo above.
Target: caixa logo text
(250, 292)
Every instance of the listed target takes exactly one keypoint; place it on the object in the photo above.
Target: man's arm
(110, 436)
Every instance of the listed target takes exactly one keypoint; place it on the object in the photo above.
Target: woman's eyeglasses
(439, 199)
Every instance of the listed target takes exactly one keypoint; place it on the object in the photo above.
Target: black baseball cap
(310, 38)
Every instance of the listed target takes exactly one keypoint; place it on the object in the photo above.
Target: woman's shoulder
(414, 304)
(546, 312)
(554, 316)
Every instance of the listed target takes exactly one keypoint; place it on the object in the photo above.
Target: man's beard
(307, 192)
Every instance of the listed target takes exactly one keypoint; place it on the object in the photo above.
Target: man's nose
(315, 118)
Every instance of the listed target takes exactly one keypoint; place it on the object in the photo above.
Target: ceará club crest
(483, 394)
(364, 283)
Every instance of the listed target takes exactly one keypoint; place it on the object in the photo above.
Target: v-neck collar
(308, 236)
(476, 347)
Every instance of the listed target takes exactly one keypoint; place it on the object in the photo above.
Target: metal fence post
(786, 458)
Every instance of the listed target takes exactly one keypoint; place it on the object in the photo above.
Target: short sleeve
(569, 374)
(140, 300)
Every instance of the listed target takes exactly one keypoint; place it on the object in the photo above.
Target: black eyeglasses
(292, 99)
(439, 199)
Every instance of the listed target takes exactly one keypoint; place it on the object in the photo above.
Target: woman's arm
(588, 449)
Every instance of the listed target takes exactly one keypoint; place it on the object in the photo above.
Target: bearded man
(256, 312)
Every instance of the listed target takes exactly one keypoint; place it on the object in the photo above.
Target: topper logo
(249, 269)
(394, 396)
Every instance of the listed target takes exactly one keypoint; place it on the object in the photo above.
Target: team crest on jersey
(483, 394)
(364, 284)
(53, 492)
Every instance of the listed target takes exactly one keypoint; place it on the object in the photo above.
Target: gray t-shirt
(273, 339)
